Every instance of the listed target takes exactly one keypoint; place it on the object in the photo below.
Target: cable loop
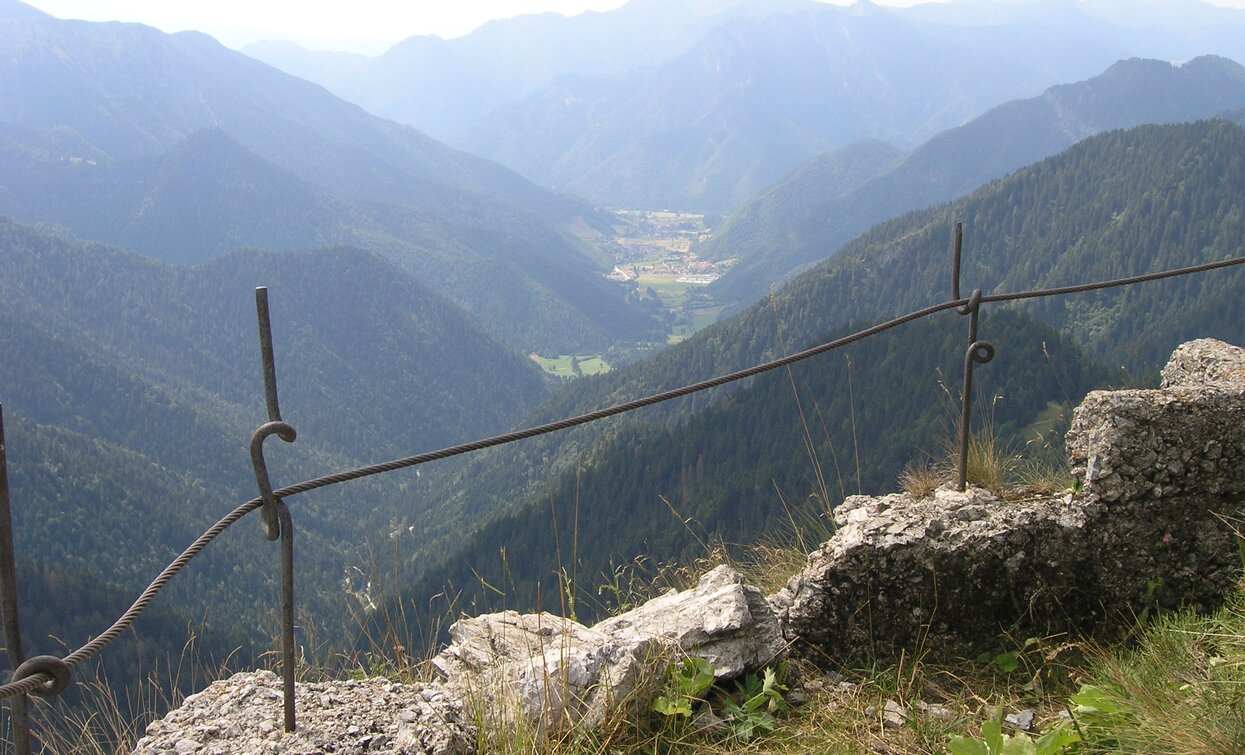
(60, 676)
(981, 352)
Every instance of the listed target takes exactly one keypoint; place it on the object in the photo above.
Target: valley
(654, 260)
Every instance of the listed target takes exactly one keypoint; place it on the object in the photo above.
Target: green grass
(1181, 690)
(693, 320)
(563, 365)
(671, 293)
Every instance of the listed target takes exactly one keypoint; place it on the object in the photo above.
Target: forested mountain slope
(1121, 203)
(131, 388)
(800, 220)
(773, 456)
(107, 118)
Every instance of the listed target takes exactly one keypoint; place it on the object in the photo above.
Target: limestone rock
(883, 585)
(243, 715)
(1158, 469)
(1205, 361)
(1022, 721)
(539, 668)
(894, 715)
(722, 620)
(1187, 438)
(555, 672)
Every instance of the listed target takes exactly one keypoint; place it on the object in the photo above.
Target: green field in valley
(564, 366)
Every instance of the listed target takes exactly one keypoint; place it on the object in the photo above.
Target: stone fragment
(556, 672)
(1021, 721)
(894, 715)
(935, 711)
(1203, 361)
(723, 620)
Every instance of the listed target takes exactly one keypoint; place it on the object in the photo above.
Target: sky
(366, 26)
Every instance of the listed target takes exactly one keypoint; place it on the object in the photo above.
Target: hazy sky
(368, 26)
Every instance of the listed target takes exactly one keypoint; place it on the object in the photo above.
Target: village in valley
(654, 256)
(655, 253)
(661, 243)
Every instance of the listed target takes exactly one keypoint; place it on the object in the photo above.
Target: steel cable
(29, 684)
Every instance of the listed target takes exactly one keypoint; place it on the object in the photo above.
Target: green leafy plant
(1007, 661)
(1011, 661)
(993, 741)
(1101, 714)
(685, 687)
(760, 698)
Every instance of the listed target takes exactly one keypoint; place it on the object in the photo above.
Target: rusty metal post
(979, 352)
(269, 362)
(955, 261)
(8, 584)
(277, 522)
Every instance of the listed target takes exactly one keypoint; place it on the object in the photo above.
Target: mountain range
(101, 131)
(697, 106)
(149, 182)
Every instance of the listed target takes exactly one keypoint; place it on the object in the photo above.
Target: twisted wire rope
(91, 648)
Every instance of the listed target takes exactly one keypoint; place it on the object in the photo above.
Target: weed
(686, 685)
(993, 741)
(991, 463)
(1181, 690)
(760, 697)
(920, 479)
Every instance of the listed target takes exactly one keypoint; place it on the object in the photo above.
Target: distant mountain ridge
(143, 138)
(796, 222)
(130, 90)
(639, 124)
(445, 86)
(751, 100)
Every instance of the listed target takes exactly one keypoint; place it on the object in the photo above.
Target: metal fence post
(979, 352)
(18, 708)
(277, 522)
